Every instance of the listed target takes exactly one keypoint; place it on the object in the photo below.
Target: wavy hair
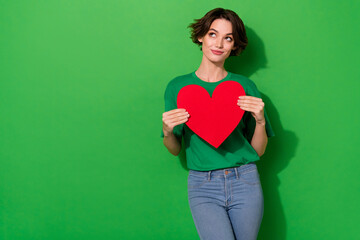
(201, 26)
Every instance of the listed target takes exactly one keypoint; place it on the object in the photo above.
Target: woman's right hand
(173, 118)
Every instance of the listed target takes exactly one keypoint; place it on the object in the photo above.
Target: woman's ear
(200, 39)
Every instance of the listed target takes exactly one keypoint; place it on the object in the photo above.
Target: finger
(182, 121)
(260, 103)
(254, 105)
(250, 101)
(251, 109)
(174, 111)
(179, 119)
(172, 117)
(250, 98)
(177, 115)
(177, 122)
(178, 112)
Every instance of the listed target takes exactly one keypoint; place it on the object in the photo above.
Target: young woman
(224, 189)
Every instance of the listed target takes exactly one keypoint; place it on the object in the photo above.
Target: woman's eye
(229, 38)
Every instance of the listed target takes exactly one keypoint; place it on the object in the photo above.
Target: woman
(224, 189)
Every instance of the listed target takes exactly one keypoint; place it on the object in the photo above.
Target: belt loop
(236, 172)
(209, 175)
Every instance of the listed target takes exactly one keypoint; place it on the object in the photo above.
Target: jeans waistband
(225, 171)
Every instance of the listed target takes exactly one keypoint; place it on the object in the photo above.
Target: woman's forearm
(172, 143)
(259, 139)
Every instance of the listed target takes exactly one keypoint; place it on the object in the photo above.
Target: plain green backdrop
(81, 100)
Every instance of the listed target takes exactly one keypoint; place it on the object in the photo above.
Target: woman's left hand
(254, 105)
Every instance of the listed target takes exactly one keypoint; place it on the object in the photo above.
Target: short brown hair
(201, 26)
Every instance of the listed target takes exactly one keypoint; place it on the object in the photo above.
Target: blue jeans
(226, 204)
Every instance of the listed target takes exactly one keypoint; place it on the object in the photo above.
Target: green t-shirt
(236, 150)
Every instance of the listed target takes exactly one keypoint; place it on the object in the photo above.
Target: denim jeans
(226, 204)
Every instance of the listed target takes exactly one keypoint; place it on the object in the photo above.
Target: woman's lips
(217, 52)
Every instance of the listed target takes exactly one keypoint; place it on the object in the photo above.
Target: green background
(81, 101)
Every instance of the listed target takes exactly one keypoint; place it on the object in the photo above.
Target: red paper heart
(212, 118)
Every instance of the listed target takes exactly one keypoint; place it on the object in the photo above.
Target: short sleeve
(249, 120)
(170, 104)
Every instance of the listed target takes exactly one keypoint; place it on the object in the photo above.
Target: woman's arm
(172, 143)
(170, 120)
(259, 139)
(256, 107)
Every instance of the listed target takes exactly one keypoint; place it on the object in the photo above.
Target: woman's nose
(219, 43)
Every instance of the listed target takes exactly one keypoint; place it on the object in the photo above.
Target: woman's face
(218, 42)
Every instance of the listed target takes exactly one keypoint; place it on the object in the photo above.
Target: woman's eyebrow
(217, 31)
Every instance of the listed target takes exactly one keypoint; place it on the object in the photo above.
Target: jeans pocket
(250, 176)
(196, 181)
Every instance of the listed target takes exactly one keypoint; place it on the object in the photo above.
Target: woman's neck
(211, 72)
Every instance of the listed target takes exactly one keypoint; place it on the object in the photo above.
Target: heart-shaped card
(212, 118)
